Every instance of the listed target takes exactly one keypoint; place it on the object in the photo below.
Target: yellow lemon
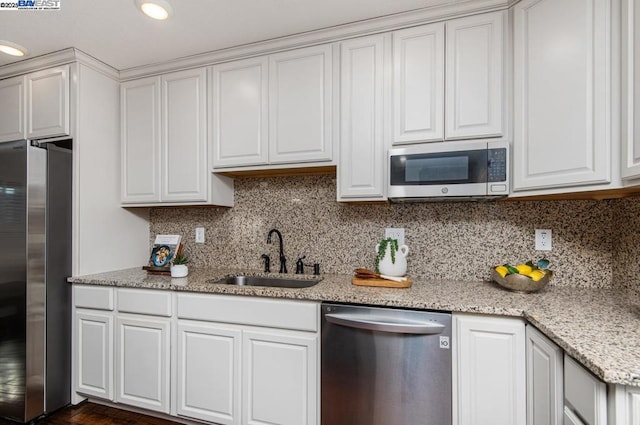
(524, 269)
(502, 270)
(536, 275)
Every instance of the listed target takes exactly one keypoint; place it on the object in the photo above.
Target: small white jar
(179, 270)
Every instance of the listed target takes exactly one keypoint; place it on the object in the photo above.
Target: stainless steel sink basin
(278, 282)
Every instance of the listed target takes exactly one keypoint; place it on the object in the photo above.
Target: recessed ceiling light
(156, 9)
(12, 49)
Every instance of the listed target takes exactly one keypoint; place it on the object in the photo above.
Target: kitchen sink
(278, 282)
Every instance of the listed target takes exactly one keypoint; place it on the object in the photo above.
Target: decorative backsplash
(446, 240)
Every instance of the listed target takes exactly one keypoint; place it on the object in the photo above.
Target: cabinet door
(300, 105)
(184, 137)
(94, 354)
(142, 374)
(208, 375)
(489, 371)
(630, 167)
(362, 167)
(140, 140)
(418, 84)
(562, 90)
(279, 377)
(544, 380)
(585, 394)
(475, 90)
(626, 405)
(239, 113)
(48, 103)
(12, 109)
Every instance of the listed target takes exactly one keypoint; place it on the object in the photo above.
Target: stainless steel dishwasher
(383, 366)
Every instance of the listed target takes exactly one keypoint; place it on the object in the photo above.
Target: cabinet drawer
(95, 297)
(585, 393)
(283, 314)
(144, 301)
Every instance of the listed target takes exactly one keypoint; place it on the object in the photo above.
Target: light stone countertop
(600, 328)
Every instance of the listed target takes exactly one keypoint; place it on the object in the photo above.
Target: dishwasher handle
(373, 323)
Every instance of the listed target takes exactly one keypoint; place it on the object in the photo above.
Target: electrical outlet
(395, 233)
(199, 234)
(543, 239)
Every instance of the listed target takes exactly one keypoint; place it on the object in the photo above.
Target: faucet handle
(267, 263)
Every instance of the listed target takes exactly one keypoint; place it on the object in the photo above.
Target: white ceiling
(117, 33)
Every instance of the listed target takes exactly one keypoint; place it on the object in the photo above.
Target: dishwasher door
(385, 366)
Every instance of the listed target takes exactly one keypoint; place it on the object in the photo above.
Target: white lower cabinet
(208, 386)
(238, 360)
(94, 353)
(142, 366)
(585, 396)
(489, 371)
(247, 360)
(544, 380)
(279, 377)
(625, 402)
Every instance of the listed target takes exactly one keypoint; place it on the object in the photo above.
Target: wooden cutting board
(374, 281)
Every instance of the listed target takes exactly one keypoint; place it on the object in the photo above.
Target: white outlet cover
(544, 239)
(199, 234)
(395, 233)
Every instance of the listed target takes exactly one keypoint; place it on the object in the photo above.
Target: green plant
(382, 248)
(182, 258)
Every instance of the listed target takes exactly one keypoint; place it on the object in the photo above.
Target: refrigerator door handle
(373, 323)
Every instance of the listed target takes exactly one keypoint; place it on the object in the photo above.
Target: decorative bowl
(521, 283)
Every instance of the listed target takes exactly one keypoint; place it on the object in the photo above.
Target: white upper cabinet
(164, 142)
(48, 103)
(562, 93)
(35, 106)
(300, 105)
(449, 80)
(273, 110)
(12, 111)
(140, 126)
(630, 134)
(418, 84)
(364, 64)
(475, 76)
(240, 113)
(184, 136)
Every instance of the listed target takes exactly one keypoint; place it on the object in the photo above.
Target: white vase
(393, 268)
(179, 270)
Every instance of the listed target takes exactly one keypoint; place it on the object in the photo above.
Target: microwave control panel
(497, 168)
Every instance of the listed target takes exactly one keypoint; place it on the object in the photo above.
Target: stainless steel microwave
(469, 170)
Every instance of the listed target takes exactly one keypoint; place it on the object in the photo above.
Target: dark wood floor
(96, 414)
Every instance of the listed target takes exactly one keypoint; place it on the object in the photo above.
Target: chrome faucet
(283, 260)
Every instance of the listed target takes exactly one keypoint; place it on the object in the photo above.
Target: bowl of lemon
(525, 277)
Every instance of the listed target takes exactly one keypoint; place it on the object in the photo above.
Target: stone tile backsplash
(446, 240)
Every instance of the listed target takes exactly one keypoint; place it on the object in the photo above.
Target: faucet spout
(283, 260)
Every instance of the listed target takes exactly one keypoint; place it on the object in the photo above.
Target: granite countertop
(600, 328)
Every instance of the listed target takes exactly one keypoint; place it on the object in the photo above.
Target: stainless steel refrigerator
(35, 261)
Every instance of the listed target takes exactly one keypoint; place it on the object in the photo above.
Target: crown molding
(442, 11)
(61, 57)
